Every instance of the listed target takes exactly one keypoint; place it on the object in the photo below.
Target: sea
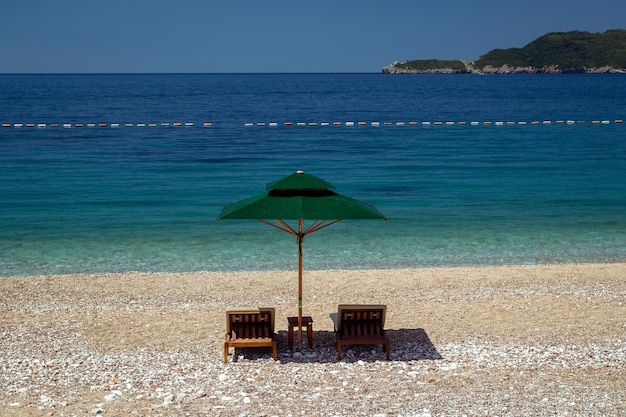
(105, 173)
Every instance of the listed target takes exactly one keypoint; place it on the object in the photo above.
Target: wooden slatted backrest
(250, 323)
(365, 320)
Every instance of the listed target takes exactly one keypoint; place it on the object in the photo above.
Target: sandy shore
(503, 341)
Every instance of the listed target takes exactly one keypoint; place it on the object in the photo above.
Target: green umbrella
(300, 197)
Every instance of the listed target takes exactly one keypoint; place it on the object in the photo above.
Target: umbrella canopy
(300, 197)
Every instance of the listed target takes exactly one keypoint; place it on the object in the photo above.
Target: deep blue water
(145, 198)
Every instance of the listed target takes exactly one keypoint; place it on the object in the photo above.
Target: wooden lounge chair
(360, 325)
(249, 327)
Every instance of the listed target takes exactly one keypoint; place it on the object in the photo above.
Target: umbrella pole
(300, 238)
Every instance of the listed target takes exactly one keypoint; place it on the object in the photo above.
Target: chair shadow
(413, 345)
(406, 345)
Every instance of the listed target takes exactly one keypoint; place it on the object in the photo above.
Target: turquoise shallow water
(146, 198)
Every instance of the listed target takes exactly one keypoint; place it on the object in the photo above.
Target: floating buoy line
(101, 125)
(306, 124)
(436, 123)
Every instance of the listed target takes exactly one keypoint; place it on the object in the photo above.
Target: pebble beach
(494, 341)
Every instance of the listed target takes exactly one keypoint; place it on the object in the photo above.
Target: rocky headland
(574, 52)
(470, 68)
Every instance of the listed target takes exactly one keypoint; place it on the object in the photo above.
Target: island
(574, 52)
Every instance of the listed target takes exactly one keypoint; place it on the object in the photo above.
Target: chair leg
(290, 336)
(311, 335)
(225, 352)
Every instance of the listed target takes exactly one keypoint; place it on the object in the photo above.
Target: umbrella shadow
(406, 345)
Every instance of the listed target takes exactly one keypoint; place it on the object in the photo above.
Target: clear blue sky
(69, 36)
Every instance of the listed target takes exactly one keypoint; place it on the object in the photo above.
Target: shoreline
(505, 340)
(294, 270)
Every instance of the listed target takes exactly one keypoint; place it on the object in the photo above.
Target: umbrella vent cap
(299, 181)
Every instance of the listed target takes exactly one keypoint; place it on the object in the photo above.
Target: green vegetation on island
(429, 64)
(558, 52)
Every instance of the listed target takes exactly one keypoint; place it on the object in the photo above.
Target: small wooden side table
(307, 321)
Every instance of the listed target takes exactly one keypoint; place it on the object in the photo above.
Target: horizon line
(189, 73)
